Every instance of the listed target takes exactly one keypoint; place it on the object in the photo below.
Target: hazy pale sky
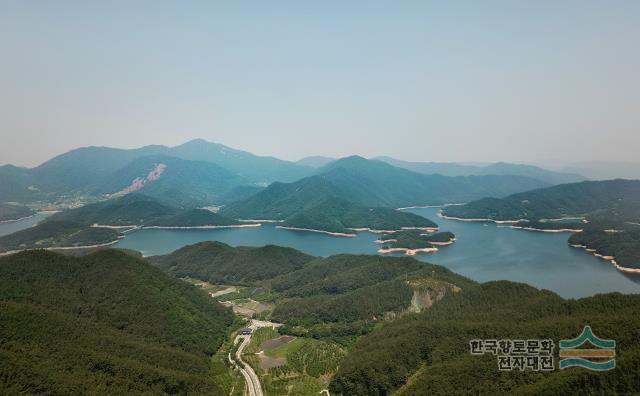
(430, 81)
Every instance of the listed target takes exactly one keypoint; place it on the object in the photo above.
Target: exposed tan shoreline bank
(479, 220)
(340, 234)
(408, 252)
(545, 229)
(611, 259)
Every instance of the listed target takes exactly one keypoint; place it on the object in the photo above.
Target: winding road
(250, 376)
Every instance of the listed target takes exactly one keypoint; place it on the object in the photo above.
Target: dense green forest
(406, 324)
(345, 295)
(216, 262)
(428, 353)
(624, 214)
(103, 323)
(14, 211)
(339, 297)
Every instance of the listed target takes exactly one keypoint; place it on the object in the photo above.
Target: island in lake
(412, 242)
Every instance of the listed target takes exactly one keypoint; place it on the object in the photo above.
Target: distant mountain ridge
(603, 170)
(377, 183)
(354, 192)
(229, 174)
(226, 173)
(176, 181)
(315, 161)
(498, 168)
(256, 169)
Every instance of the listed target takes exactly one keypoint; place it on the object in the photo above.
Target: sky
(519, 81)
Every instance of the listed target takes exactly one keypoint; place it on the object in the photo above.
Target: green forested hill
(182, 183)
(334, 297)
(338, 215)
(374, 184)
(344, 295)
(132, 209)
(576, 199)
(91, 166)
(428, 353)
(85, 167)
(140, 210)
(103, 323)
(623, 246)
(315, 203)
(281, 200)
(410, 239)
(56, 233)
(407, 324)
(15, 183)
(191, 218)
(217, 262)
(73, 227)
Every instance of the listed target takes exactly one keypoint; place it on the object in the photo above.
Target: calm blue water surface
(483, 252)
(13, 226)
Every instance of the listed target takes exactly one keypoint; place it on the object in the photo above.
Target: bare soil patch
(275, 343)
(267, 362)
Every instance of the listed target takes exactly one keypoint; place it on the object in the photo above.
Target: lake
(482, 251)
(13, 226)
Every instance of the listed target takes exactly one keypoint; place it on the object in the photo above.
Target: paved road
(250, 376)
